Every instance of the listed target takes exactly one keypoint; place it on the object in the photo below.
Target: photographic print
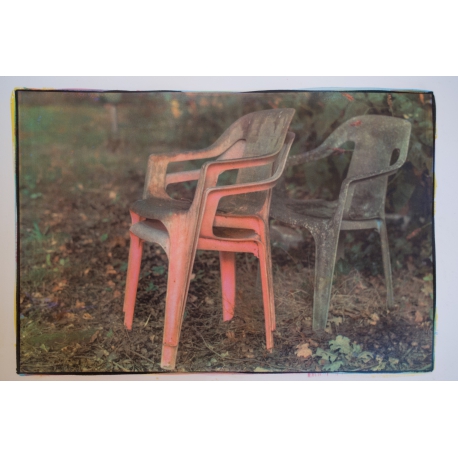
(263, 232)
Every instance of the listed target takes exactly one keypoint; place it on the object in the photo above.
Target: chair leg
(181, 259)
(325, 259)
(266, 241)
(386, 264)
(228, 281)
(341, 247)
(267, 294)
(133, 273)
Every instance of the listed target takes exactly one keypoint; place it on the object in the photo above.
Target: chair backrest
(263, 132)
(375, 139)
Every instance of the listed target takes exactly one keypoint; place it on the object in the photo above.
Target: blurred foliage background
(92, 129)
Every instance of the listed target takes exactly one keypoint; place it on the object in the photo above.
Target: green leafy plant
(151, 287)
(343, 352)
(36, 233)
(158, 270)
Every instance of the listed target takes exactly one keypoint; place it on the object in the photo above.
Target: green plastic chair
(361, 203)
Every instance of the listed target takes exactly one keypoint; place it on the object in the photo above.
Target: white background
(248, 37)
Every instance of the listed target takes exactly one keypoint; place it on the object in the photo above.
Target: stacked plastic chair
(228, 219)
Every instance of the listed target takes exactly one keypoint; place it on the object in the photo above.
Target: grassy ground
(76, 182)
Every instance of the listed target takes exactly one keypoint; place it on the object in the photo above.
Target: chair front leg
(181, 259)
(326, 241)
(133, 274)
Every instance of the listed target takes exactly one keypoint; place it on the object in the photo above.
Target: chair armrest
(348, 182)
(387, 171)
(321, 152)
(212, 170)
(328, 147)
(157, 178)
(212, 195)
(180, 177)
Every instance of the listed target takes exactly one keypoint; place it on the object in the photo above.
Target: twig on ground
(208, 346)
(141, 356)
(121, 367)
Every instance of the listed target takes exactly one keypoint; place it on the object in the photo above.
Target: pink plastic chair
(227, 219)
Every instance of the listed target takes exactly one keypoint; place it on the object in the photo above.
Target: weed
(344, 353)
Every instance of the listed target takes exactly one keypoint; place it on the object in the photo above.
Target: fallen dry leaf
(110, 270)
(87, 316)
(94, 336)
(80, 304)
(418, 317)
(117, 241)
(336, 320)
(303, 351)
(230, 335)
(117, 294)
(374, 319)
(249, 354)
(428, 288)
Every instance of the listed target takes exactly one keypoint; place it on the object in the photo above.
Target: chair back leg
(386, 264)
(265, 238)
(228, 282)
(267, 294)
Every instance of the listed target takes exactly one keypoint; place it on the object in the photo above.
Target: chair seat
(287, 210)
(242, 204)
(157, 208)
(152, 231)
(229, 233)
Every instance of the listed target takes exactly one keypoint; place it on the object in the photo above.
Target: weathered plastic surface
(361, 203)
(257, 145)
